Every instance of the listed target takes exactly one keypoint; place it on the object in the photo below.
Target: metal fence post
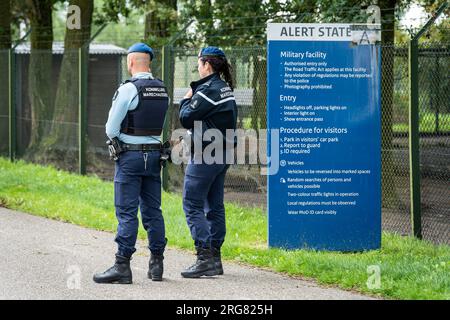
(414, 153)
(82, 103)
(12, 139)
(414, 160)
(12, 143)
(166, 76)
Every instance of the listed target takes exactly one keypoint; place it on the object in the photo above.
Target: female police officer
(209, 104)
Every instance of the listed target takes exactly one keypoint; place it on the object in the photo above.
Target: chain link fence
(46, 93)
(394, 139)
(47, 120)
(434, 125)
(244, 183)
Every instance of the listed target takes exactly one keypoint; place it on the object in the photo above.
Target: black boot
(217, 260)
(204, 266)
(120, 272)
(155, 267)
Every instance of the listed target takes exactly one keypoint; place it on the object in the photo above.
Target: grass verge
(410, 269)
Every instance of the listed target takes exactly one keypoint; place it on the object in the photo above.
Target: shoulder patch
(194, 104)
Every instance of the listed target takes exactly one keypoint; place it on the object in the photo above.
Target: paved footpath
(47, 259)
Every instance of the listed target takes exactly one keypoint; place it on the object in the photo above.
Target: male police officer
(135, 124)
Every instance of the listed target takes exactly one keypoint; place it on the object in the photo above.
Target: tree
(64, 134)
(440, 33)
(160, 20)
(63, 140)
(39, 13)
(5, 24)
(228, 23)
(431, 6)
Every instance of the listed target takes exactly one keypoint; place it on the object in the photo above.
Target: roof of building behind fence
(94, 48)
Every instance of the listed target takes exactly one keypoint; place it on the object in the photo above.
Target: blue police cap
(211, 51)
(141, 47)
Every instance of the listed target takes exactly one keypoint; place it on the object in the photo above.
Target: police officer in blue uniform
(134, 126)
(210, 102)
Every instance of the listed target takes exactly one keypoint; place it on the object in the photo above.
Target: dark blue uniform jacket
(213, 103)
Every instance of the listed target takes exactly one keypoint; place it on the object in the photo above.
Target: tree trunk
(389, 192)
(40, 69)
(64, 135)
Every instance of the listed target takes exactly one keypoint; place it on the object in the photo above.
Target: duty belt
(141, 147)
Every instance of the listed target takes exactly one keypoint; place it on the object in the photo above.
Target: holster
(166, 150)
(114, 148)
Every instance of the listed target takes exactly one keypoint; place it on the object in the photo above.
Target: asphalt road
(47, 259)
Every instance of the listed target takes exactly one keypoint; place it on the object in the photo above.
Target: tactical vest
(148, 117)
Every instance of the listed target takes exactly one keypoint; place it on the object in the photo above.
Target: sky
(415, 17)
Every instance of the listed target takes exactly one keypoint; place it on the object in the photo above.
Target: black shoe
(120, 272)
(217, 260)
(204, 266)
(155, 267)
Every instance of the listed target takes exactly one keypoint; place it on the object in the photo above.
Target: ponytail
(220, 65)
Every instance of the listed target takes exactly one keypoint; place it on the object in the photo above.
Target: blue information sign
(324, 100)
